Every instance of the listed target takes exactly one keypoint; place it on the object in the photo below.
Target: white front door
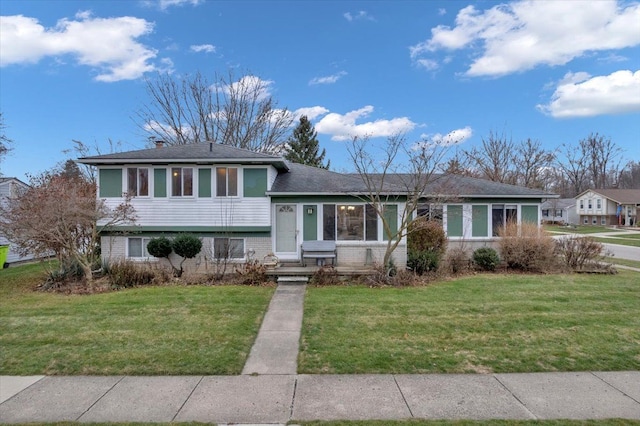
(286, 241)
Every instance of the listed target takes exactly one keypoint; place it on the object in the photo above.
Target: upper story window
(581, 204)
(138, 181)
(182, 181)
(598, 203)
(589, 204)
(226, 181)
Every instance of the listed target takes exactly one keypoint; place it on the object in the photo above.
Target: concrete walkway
(270, 392)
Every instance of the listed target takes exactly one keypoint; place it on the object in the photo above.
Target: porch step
(293, 279)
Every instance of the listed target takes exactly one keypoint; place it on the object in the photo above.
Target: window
(351, 222)
(137, 248)
(585, 220)
(594, 220)
(603, 220)
(598, 203)
(226, 181)
(182, 181)
(501, 214)
(329, 222)
(138, 181)
(589, 204)
(558, 213)
(582, 204)
(431, 211)
(228, 248)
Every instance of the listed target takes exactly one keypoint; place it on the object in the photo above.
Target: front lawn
(578, 229)
(632, 242)
(484, 323)
(167, 330)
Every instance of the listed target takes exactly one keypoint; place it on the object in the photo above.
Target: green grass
(148, 331)
(484, 323)
(620, 241)
(579, 229)
(625, 262)
(606, 422)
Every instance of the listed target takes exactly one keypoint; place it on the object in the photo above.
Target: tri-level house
(608, 207)
(258, 204)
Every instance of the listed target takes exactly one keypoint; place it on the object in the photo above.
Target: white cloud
(344, 127)
(358, 16)
(106, 44)
(579, 95)
(165, 4)
(207, 48)
(248, 84)
(330, 79)
(524, 34)
(428, 64)
(310, 112)
(454, 137)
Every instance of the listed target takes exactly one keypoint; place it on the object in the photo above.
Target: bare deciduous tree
(603, 160)
(387, 181)
(5, 141)
(532, 164)
(630, 176)
(59, 214)
(192, 109)
(572, 163)
(494, 160)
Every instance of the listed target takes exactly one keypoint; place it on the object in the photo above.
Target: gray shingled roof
(622, 196)
(310, 180)
(198, 152)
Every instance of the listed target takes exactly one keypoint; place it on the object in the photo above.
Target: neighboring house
(560, 210)
(256, 204)
(9, 187)
(608, 207)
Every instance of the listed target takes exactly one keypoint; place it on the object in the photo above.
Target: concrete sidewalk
(277, 399)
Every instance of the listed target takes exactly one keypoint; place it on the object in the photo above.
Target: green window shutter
(530, 214)
(204, 183)
(160, 183)
(110, 183)
(310, 223)
(454, 221)
(391, 217)
(479, 221)
(255, 182)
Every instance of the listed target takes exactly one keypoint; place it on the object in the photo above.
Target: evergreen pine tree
(303, 146)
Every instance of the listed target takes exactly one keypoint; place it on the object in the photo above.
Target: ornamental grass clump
(525, 247)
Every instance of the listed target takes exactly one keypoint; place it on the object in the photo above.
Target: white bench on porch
(319, 250)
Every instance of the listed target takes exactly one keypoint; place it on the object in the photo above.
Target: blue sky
(553, 71)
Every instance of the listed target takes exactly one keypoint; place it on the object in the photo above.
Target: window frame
(330, 217)
(230, 239)
(182, 182)
(598, 203)
(227, 176)
(145, 254)
(135, 192)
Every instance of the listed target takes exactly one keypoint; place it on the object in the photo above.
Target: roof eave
(278, 164)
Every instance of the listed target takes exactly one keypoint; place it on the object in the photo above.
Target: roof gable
(620, 196)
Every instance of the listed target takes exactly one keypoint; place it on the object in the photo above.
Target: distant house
(253, 204)
(560, 210)
(9, 187)
(608, 207)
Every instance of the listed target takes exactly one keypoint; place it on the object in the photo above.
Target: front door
(286, 241)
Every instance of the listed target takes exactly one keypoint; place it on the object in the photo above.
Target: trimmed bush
(486, 258)
(426, 235)
(160, 247)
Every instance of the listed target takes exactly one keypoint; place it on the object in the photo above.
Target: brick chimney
(159, 144)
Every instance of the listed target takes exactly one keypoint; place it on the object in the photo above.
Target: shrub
(421, 262)
(525, 247)
(426, 235)
(486, 258)
(457, 261)
(327, 275)
(127, 274)
(252, 273)
(68, 270)
(160, 247)
(578, 252)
